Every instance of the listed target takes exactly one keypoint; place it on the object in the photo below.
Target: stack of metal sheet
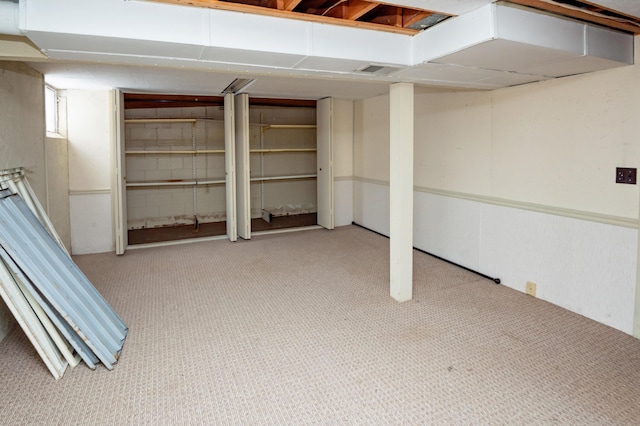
(53, 301)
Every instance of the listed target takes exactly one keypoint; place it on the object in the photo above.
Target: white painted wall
(371, 163)
(89, 139)
(518, 183)
(57, 202)
(343, 114)
(21, 136)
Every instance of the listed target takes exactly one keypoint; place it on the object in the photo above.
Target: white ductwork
(9, 18)
(505, 38)
(490, 47)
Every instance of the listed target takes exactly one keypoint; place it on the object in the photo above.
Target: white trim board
(540, 208)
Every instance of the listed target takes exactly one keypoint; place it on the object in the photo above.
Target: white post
(230, 165)
(401, 191)
(636, 312)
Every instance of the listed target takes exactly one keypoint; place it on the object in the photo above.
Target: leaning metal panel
(60, 281)
(26, 317)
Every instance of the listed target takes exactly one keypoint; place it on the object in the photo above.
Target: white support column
(230, 165)
(401, 191)
(636, 310)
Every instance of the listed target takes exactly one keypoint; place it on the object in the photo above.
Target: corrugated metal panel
(26, 317)
(59, 280)
(61, 343)
(65, 329)
(16, 182)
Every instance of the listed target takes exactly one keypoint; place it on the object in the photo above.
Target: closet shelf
(289, 177)
(268, 150)
(176, 183)
(168, 152)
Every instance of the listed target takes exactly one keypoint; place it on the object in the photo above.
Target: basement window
(51, 109)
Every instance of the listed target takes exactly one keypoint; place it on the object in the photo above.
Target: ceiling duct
(238, 85)
(377, 69)
(9, 18)
(505, 38)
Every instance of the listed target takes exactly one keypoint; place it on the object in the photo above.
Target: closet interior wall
(293, 141)
(175, 166)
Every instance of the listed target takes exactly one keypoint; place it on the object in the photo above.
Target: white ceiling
(131, 78)
(141, 74)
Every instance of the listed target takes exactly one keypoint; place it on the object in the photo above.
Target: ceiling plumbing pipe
(9, 18)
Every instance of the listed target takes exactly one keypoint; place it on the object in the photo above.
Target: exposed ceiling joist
(385, 16)
(363, 14)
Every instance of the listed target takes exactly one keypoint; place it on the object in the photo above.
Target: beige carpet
(298, 328)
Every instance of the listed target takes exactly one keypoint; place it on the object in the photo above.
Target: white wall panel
(57, 201)
(453, 134)
(91, 223)
(90, 129)
(586, 267)
(371, 205)
(558, 142)
(89, 139)
(371, 138)
(448, 227)
(343, 204)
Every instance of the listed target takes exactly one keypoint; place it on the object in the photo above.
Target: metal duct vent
(238, 85)
(378, 70)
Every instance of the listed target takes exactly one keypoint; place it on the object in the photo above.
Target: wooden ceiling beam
(290, 4)
(396, 18)
(358, 8)
(389, 15)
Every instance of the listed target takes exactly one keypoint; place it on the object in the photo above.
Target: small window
(51, 109)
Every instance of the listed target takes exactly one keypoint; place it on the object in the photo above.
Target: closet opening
(174, 153)
(283, 151)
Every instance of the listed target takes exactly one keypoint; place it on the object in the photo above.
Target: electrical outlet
(531, 289)
(626, 175)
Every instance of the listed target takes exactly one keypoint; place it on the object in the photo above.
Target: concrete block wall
(169, 205)
(290, 196)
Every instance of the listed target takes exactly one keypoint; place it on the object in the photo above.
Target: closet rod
(198, 151)
(268, 150)
(287, 126)
(178, 183)
(265, 178)
(160, 120)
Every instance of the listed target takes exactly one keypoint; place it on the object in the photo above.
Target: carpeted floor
(298, 328)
